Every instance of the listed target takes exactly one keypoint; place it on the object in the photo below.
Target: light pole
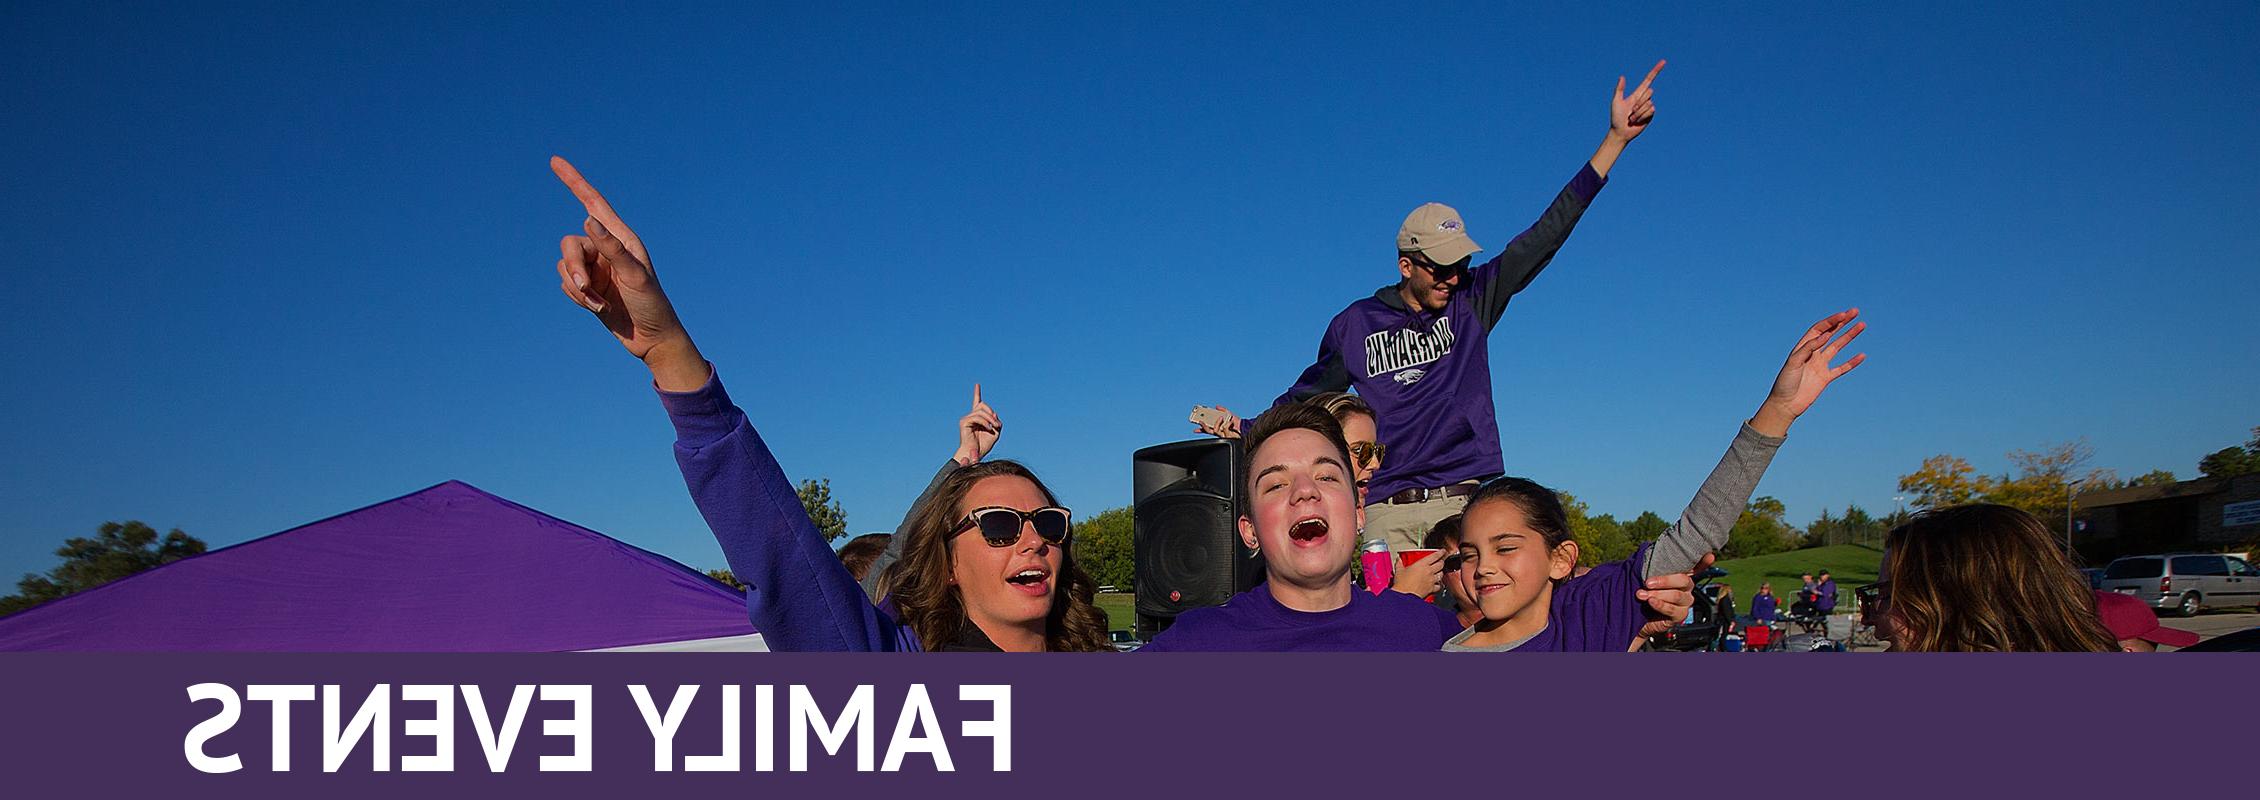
(2070, 500)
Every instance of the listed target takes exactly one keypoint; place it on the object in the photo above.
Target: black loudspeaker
(1188, 501)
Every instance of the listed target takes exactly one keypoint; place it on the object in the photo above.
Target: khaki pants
(1404, 525)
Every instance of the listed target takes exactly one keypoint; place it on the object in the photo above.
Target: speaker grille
(1186, 545)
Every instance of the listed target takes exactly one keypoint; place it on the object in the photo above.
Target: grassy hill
(1850, 564)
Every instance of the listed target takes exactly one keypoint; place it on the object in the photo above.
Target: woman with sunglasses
(987, 567)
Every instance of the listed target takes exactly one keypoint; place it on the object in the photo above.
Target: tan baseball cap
(1435, 230)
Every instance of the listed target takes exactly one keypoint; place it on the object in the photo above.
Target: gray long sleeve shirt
(1703, 527)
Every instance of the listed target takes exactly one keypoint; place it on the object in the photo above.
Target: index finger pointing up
(594, 201)
(1651, 75)
(976, 394)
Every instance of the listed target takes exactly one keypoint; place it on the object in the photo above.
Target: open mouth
(1032, 581)
(1307, 530)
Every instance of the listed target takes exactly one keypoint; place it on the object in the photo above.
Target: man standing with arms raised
(1417, 350)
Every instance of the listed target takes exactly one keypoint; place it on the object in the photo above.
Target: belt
(1425, 495)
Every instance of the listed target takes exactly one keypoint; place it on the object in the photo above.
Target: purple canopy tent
(449, 568)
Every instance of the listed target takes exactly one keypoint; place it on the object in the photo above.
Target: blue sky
(271, 264)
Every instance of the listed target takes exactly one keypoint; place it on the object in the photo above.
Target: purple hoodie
(800, 596)
(1428, 375)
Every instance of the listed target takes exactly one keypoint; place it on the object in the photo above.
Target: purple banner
(99, 725)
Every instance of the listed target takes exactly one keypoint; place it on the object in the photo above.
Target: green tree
(2232, 461)
(1645, 528)
(726, 576)
(816, 499)
(116, 551)
(1856, 525)
(2156, 477)
(1860, 526)
(1759, 531)
(1942, 481)
(1105, 547)
(1599, 539)
(2043, 482)
(1825, 530)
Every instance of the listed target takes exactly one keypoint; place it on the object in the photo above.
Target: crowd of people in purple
(1411, 458)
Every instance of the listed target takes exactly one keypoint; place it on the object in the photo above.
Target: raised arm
(1702, 528)
(1329, 373)
(977, 434)
(798, 594)
(1628, 118)
(1496, 281)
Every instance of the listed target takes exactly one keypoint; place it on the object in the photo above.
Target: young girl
(985, 565)
(1515, 534)
(1981, 578)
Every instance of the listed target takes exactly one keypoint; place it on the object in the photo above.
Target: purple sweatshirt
(800, 596)
(1253, 621)
(1428, 376)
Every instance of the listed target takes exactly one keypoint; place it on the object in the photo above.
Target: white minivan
(2185, 583)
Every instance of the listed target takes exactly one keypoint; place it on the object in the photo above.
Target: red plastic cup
(1405, 558)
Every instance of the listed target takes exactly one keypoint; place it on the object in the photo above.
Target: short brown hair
(860, 551)
(1295, 416)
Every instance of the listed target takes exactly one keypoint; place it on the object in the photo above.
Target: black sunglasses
(1452, 562)
(1367, 452)
(1441, 272)
(1000, 526)
(1871, 595)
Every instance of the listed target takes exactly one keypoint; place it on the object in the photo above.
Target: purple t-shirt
(1253, 621)
(1597, 612)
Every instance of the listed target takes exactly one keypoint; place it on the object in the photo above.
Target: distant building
(2207, 515)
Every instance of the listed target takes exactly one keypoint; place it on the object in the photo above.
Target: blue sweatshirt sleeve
(1497, 280)
(800, 596)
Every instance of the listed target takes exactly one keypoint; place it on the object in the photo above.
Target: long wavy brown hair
(1986, 578)
(919, 584)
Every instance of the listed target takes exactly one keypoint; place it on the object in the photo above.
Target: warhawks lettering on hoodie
(1389, 351)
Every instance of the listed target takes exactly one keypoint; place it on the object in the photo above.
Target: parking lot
(2212, 623)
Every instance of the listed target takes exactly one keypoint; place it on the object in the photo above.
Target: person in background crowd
(1803, 605)
(859, 553)
(1417, 350)
(986, 565)
(1764, 606)
(1981, 578)
(2136, 626)
(1458, 592)
(1824, 595)
(1515, 534)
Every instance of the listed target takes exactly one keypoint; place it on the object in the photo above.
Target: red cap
(2129, 618)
